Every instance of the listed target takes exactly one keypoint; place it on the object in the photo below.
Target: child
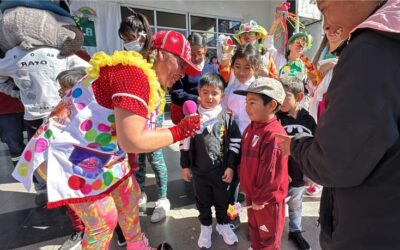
(263, 168)
(212, 158)
(245, 63)
(68, 78)
(295, 120)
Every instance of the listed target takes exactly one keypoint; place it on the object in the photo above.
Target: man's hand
(284, 143)
(228, 175)
(186, 174)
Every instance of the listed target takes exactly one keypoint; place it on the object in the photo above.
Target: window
(228, 26)
(203, 23)
(210, 27)
(171, 20)
(160, 20)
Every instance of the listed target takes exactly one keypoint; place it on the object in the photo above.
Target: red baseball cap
(175, 43)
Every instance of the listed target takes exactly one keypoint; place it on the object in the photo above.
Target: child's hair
(266, 99)
(212, 79)
(212, 58)
(133, 25)
(292, 84)
(248, 52)
(68, 78)
(197, 39)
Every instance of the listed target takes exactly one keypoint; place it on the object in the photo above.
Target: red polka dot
(28, 155)
(75, 182)
(86, 189)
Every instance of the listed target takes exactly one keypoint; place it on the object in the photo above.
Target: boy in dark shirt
(212, 158)
(295, 120)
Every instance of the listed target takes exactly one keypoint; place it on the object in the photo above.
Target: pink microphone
(189, 108)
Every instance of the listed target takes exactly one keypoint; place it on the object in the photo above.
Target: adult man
(356, 149)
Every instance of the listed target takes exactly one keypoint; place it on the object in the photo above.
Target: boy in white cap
(263, 168)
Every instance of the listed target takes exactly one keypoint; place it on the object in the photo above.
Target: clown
(252, 33)
(296, 61)
(108, 111)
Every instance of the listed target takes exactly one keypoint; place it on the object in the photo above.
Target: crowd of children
(242, 107)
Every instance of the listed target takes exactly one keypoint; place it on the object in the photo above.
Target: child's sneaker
(143, 199)
(74, 242)
(162, 207)
(227, 233)
(313, 189)
(205, 237)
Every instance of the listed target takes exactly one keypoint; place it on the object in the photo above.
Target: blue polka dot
(77, 93)
(109, 147)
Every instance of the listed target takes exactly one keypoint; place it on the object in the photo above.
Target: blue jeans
(157, 163)
(295, 204)
(11, 129)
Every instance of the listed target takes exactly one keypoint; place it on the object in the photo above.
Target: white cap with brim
(265, 86)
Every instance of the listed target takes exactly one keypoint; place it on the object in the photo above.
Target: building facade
(101, 19)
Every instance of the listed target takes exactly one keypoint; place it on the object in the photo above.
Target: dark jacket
(218, 149)
(187, 88)
(356, 148)
(304, 123)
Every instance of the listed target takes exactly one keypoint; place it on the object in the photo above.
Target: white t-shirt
(35, 72)
(237, 103)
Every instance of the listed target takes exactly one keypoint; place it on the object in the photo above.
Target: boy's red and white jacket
(263, 168)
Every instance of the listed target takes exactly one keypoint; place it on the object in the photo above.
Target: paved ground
(23, 226)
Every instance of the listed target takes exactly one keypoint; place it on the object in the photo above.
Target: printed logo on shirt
(297, 129)
(264, 228)
(33, 63)
(255, 140)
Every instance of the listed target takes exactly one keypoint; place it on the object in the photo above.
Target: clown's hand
(185, 128)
